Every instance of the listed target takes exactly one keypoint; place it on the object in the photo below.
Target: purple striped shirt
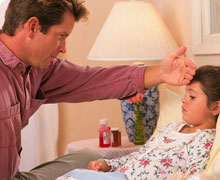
(23, 89)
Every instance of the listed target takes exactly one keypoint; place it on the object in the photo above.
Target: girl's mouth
(184, 110)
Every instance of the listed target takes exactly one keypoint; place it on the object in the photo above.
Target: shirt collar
(8, 58)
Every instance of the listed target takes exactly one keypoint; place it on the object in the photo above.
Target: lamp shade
(133, 31)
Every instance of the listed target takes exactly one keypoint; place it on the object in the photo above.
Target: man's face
(44, 48)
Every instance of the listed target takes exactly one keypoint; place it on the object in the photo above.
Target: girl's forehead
(194, 87)
(194, 84)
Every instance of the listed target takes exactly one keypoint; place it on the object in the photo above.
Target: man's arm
(174, 70)
(66, 82)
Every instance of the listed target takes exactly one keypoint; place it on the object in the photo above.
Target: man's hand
(176, 70)
(99, 166)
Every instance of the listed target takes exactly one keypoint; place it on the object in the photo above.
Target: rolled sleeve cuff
(139, 79)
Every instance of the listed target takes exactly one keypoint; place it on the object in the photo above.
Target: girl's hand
(99, 166)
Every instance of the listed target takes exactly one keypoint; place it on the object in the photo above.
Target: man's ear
(32, 26)
(215, 108)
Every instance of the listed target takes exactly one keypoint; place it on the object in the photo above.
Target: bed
(170, 110)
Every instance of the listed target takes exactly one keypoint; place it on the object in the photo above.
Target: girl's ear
(215, 108)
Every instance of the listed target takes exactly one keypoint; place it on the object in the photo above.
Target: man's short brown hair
(48, 12)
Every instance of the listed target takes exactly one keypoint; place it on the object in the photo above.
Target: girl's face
(195, 110)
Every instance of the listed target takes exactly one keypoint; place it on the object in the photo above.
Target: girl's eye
(192, 97)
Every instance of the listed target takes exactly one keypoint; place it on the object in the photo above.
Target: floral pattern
(167, 153)
(149, 111)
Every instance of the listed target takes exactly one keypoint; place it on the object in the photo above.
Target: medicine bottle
(104, 134)
(116, 137)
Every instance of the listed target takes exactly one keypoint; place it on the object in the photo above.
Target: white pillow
(170, 109)
(214, 163)
(215, 167)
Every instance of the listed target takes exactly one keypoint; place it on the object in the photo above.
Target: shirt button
(28, 103)
(20, 65)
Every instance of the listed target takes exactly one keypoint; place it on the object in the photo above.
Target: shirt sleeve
(199, 152)
(66, 82)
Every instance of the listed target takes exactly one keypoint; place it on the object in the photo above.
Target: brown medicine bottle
(116, 137)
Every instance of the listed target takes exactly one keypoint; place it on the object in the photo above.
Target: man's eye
(192, 97)
(62, 36)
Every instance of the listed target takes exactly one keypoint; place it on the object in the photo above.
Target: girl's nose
(184, 99)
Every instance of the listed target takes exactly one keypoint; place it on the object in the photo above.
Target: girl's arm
(199, 152)
(118, 162)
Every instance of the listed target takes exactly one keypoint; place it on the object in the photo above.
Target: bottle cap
(114, 129)
(103, 121)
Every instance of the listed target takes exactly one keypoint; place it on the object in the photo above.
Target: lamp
(134, 31)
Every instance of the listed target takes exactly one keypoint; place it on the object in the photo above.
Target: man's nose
(62, 47)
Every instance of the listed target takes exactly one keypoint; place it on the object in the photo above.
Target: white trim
(203, 42)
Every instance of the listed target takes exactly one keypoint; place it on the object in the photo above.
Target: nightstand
(107, 152)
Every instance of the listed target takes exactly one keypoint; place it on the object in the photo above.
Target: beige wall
(81, 121)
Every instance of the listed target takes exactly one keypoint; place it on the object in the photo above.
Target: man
(33, 34)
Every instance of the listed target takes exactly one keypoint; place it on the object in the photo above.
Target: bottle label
(112, 137)
(106, 137)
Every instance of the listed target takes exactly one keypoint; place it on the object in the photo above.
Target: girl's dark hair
(209, 78)
(49, 13)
